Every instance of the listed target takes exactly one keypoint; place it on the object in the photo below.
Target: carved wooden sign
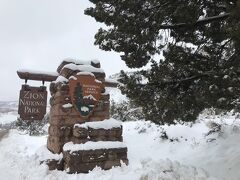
(85, 91)
(32, 102)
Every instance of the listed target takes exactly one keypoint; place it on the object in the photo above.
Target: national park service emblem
(85, 91)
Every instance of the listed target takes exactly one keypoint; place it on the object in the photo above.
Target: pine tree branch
(191, 78)
(198, 22)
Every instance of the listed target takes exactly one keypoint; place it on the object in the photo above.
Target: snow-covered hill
(8, 106)
(8, 112)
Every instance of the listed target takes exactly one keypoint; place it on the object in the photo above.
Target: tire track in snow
(3, 133)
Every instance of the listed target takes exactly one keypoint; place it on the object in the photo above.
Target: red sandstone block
(83, 161)
(60, 93)
(80, 132)
(76, 140)
(110, 164)
(66, 120)
(52, 88)
(55, 144)
(60, 131)
(102, 106)
(65, 99)
(59, 110)
(101, 113)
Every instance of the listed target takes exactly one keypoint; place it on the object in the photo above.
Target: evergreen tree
(193, 47)
(33, 128)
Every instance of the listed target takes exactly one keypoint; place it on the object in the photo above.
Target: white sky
(38, 34)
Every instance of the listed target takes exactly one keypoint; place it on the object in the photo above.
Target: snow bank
(20, 155)
(17, 152)
(90, 145)
(188, 148)
(7, 118)
(190, 144)
(43, 154)
(105, 124)
(166, 169)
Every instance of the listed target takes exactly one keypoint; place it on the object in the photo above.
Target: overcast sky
(38, 34)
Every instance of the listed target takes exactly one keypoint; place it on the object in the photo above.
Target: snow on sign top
(38, 72)
(61, 79)
(90, 145)
(37, 75)
(93, 63)
(77, 61)
(105, 124)
(86, 73)
(73, 77)
(83, 68)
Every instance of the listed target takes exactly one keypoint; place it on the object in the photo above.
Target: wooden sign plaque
(85, 92)
(32, 102)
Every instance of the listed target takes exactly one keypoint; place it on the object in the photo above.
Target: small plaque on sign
(32, 102)
(85, 91)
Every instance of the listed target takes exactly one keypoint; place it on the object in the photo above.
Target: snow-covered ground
(188, 153)
(218, 152)
(7, 118)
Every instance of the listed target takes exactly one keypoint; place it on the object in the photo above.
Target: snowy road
(3, 133)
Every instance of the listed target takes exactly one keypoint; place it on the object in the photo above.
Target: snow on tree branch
(198, 22)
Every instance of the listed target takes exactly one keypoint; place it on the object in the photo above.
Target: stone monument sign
(81, 134)
(81, 131)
